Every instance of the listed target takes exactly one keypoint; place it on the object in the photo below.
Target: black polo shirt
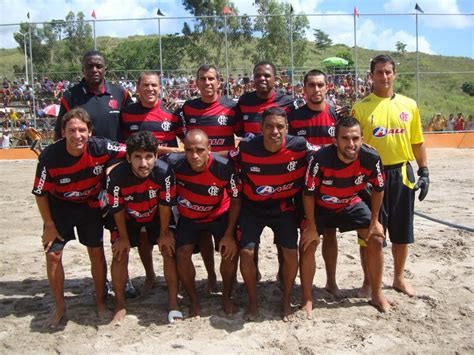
(104, 108)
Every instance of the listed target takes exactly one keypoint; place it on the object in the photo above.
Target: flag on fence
(356, 13)
(227, 10)
(418, 8)
(28, 15)
(159, 13)
(93, 14)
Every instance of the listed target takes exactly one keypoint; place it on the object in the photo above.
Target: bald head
(197, 149)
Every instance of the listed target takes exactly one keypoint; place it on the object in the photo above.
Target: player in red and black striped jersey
(251, 105)
(316, 121)
(141, 192)
(150, 114)
(208, 201)
(272, 167)
(335, 176)
(67, 185)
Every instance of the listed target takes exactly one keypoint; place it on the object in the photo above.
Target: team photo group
(208, 176)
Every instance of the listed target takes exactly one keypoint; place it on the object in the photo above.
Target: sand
(438, 320)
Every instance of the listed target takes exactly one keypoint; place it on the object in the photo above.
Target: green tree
(401, 47)
(39, 43)
(347, 56)
(322, 40)
(468, 88)
(78, 37)
(274, 43)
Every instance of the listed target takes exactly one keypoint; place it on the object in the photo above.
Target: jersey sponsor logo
(379, 174)
(128, 198)
(359, 180)
(168, 189)
(98, 169)
(291, 166)
(380, 132)
(72, 194)
(245, 118)
(327, 182)
(134, 127)
(188, 204)
(166, 126)
(233, 186)
(115, 147)
(301, 132)
(222, 120)
(254, 169)
(404, 116)
(234, 152)
(116, 197)
(64, 181)
(310, 146)
(213, 190)
(310, 184)
(113, 104)
(249, 135)
(332, 131)
(266, 190)
(39, 187)
(335, 200)
(216, 141)
(192, 120)
(138, 214)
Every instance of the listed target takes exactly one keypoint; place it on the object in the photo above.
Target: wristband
(424, 172)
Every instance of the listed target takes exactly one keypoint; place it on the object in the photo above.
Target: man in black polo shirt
(101, 99)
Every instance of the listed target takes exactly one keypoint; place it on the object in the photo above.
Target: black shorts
(353, 217)
(251, 224)
(133, 229)
(87, 220)
(189, 231)
(398, 205)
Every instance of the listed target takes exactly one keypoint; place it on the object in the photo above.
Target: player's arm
(167, 150)
(228, 246)
(166, 241)
(423, 183)
(310, 233)
(50, 233)
(121, 246)
(375, 228)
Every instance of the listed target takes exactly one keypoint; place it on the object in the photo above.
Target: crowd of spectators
(439, 123)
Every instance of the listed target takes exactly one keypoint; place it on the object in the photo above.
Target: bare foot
(287, 313)
(404, 287)
(251, 314)
(148, 285)
(119, 317)
(333, 289)
(229, 306)
(364, 292)
(211, 284)
(103, 312)
(308, 309)
(381, 303)
(195, 310)
(55, 319)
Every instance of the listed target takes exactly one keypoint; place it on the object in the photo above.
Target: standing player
(208, 201)
(101, 99)
(336, 174)
(67, 185)
(272, 167)
(214, 115)
(150, 114)
(316, 121)
(141, 192)
(391, 124)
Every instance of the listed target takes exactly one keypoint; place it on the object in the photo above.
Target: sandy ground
(438, 320)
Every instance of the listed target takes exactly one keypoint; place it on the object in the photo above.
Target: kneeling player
(204, 183)
(141, 192)
(335, 176)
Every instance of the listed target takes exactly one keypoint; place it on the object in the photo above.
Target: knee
(375, 243)
(54, 257)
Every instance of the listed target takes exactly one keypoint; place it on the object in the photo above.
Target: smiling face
(208, 85)
(383, 77)
(149, 90)
(93, 70)
(142, 162)
(274, 129)
(264, 79)
(348, 143)
(77, 135)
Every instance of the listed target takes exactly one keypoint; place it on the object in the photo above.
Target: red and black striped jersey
(204, 196)
(250, 108)
(268, 176)
(317, 127)
(161, 122)
(75, 179)
(216, 119)
(140, 197)
(335, 184)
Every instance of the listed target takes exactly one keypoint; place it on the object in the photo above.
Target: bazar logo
(380, 131)
(268, 190)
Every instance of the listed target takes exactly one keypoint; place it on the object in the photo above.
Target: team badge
(113, 104)
(332, 131)
(213, 191)
(359, 179)
(404, 116)
(222, 120)
(98, 170)
(291, 166)
(166, 125)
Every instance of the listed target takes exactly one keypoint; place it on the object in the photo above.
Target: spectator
(459, 123)
(450, 123)
(438, 122)
(470, 123)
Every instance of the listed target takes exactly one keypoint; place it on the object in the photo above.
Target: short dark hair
(143, 140)
(265, 62)
(78, 113)
(147, 73)
(274, 111)
(92, 54)
(205, 68)
(314, 72)
(347, 121)
(381, 58)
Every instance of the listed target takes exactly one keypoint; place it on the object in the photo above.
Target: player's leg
(145, 250)
(55, 272)
(206, 247)
(99, 273)
(329, 251)
(187, 275)
(307, 271)
(119, 278)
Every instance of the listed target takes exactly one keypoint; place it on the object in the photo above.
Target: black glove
(423, 183)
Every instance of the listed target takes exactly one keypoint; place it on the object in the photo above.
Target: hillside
(441, 77)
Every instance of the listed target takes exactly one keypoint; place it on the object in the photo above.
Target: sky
(442, 35)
